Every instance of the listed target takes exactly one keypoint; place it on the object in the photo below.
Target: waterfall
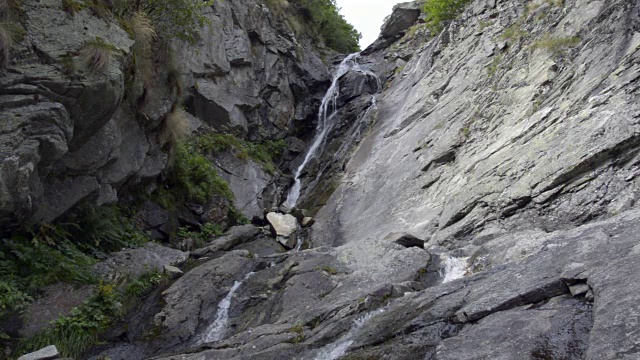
(337, 349)
(326, 120)
(218, 328)
(453, 268)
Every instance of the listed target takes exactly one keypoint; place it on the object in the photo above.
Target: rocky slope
(484, 208)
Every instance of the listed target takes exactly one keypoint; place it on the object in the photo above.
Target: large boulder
(47, 353)
(403, 16)
(136, 262)
(284, 227)
(237, 235)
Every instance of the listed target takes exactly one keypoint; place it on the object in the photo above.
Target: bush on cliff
(439, 12)
(323, 17)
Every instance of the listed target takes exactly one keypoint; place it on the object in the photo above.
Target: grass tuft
(556, 45)
(97, 54)
(10, 34)
(175, 127)
(72, 6)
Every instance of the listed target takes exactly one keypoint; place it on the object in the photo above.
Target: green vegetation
(556, 45)
(484, 24)
(72, 6)
(45, 254)
(299, 330)
(320, 17)
(77, 332)
(263, 153)
(208, 231)
(514, 32)
(193, 177)
(97, 54)
(11, 32)
(495, 64)
(439, 12)
(330, 270)
(180, 19)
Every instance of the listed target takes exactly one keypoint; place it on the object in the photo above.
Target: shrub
(439, 12)
(263, 153)
(193, 177)
(324, 18)
(181, 19)
(97, 54)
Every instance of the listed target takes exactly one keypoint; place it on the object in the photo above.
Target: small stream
(336, 349)
(218, 328)
(453, 268)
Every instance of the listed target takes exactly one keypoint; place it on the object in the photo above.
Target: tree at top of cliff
(324, 18)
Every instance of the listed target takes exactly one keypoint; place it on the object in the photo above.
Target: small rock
(405, 239)
(284, 209)
(308, 221)
(49, 352)
(579, 289)
(589, 295)
(172, 271)
(299, 213)
(289, 242)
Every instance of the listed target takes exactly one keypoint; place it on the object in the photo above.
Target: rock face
(404, 15)
(69, 139)
(136, 262)
(47, 353)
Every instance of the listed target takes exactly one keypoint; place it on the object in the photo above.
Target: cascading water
(218, 328)
(326, 120)
(337, 349)
(453, 268)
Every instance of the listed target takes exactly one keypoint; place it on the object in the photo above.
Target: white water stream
(326, 121)
(218, 328)
(335, 350)
(453, 268)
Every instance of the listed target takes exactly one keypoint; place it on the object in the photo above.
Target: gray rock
(406, 240)
(190, 306)
(172, 271)
(579, 289)
(299, 213)
(307, 222)
(403, 16)
(57, 300)
(63, 194)
(49, 352)
(236, 236)
(282, 224)
(136, 262)
(247, 180)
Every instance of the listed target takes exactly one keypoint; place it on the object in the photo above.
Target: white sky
(367, 16)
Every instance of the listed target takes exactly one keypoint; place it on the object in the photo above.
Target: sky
(367, 16)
